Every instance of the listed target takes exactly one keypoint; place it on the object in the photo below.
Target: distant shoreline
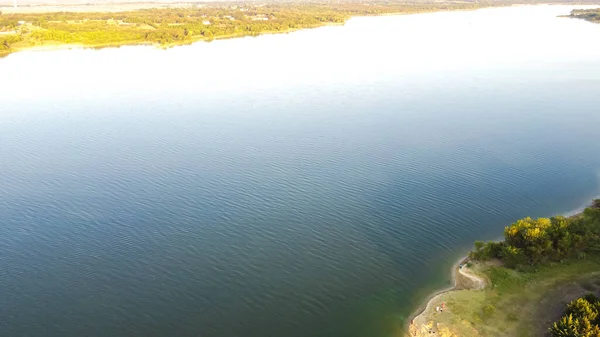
(29, 37)
(69, 46)
(62, 28)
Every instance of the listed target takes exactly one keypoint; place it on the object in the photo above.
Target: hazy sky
(59, 2)
(55, 2)
(10, 2)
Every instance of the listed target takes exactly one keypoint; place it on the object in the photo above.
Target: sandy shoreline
(422, 308)
(418, 320)
(420, 323)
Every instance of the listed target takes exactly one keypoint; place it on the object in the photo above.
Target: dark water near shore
(318, 183)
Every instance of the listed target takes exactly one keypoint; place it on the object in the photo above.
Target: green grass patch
(510, 305)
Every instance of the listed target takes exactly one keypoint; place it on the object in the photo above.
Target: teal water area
(317, 183)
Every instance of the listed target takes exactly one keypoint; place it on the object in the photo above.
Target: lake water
(318, 183)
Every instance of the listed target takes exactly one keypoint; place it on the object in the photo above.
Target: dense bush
(531, 242)
(6, 41)
(581, 319)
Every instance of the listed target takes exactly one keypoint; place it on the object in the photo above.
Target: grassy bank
(514, 303)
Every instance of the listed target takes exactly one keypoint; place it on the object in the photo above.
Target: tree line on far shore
(592, 15)
(206, 21)
(172, 26)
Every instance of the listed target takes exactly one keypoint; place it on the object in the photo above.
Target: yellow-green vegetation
(592, 15)
(173, 26)
(528, 242)
(581, 318)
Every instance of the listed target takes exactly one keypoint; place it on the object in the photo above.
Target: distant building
(21, 23)
(205, 22)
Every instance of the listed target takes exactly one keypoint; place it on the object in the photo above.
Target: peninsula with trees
(542, 279)
(592, 15)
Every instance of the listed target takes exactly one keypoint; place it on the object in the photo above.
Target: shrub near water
(533, 244)
(530, 242)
